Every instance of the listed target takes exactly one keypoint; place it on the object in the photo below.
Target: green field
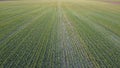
(59, 34)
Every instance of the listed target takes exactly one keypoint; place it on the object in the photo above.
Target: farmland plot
(66, 34)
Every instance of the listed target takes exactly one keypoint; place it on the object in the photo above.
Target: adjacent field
(67, 34)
